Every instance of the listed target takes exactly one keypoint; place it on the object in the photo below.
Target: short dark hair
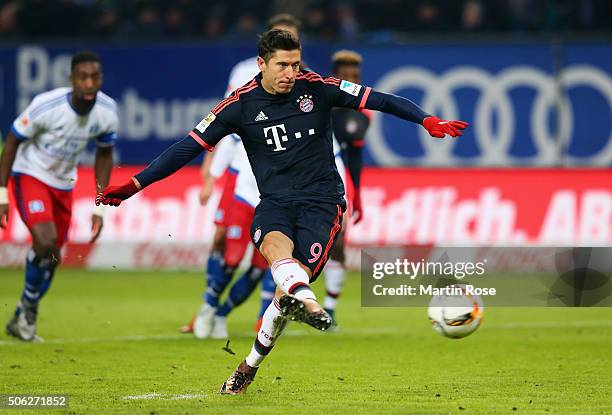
(274, 40)
(283, 19)
(83, 56)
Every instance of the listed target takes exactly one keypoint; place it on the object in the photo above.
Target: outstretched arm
(168, 162)
(395, 105)
(349, 95)
(408, 110)
(217, 124)
(175, 157)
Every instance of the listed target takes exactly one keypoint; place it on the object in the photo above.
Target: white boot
(220, 328)
(203, 323)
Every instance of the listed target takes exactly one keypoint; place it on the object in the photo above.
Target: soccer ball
(456, 314)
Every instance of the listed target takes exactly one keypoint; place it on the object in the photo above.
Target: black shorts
(313, 227)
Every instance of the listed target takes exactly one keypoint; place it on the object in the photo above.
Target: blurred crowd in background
(360, 20)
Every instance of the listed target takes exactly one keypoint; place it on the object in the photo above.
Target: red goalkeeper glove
(438, 128)
(114, 195)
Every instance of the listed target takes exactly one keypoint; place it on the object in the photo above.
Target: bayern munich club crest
(306, 104)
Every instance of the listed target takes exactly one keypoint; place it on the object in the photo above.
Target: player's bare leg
(293, 281)
(41, 263)
(293, 300)
(219, 239)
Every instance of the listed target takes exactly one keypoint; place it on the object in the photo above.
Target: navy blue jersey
(288, 137)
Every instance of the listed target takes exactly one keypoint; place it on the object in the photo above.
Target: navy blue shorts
(313, 227)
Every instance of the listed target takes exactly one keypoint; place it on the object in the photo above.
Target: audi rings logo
(494, 115)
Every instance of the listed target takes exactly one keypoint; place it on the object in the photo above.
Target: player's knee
(45, 245)
(276, 246)
(219, 239)
(48, 245)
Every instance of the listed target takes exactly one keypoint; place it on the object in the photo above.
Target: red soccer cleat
(187, 328)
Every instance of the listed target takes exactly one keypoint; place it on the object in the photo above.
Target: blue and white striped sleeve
(107, 139)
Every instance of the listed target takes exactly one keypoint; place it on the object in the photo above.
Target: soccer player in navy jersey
(283, 117)
(211, 319)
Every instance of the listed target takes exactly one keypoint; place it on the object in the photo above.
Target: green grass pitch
(112, 346)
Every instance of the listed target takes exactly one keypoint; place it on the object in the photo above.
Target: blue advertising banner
(532, 104)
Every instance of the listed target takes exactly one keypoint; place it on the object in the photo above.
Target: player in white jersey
(216, 279)
(41, 155)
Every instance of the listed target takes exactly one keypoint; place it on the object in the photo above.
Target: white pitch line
(163, 397)
(309, 332)
(146, 396)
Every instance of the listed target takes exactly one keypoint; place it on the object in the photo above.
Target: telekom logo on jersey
(273, 136)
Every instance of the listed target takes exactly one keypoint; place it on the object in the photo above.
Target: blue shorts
(313, 227)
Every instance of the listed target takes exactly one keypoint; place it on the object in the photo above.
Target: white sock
(334, 280)
(292, 279)
(272, 326)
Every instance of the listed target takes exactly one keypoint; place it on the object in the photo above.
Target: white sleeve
(235, 80)
(230, 88)
(242, 73)
(223, 155)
